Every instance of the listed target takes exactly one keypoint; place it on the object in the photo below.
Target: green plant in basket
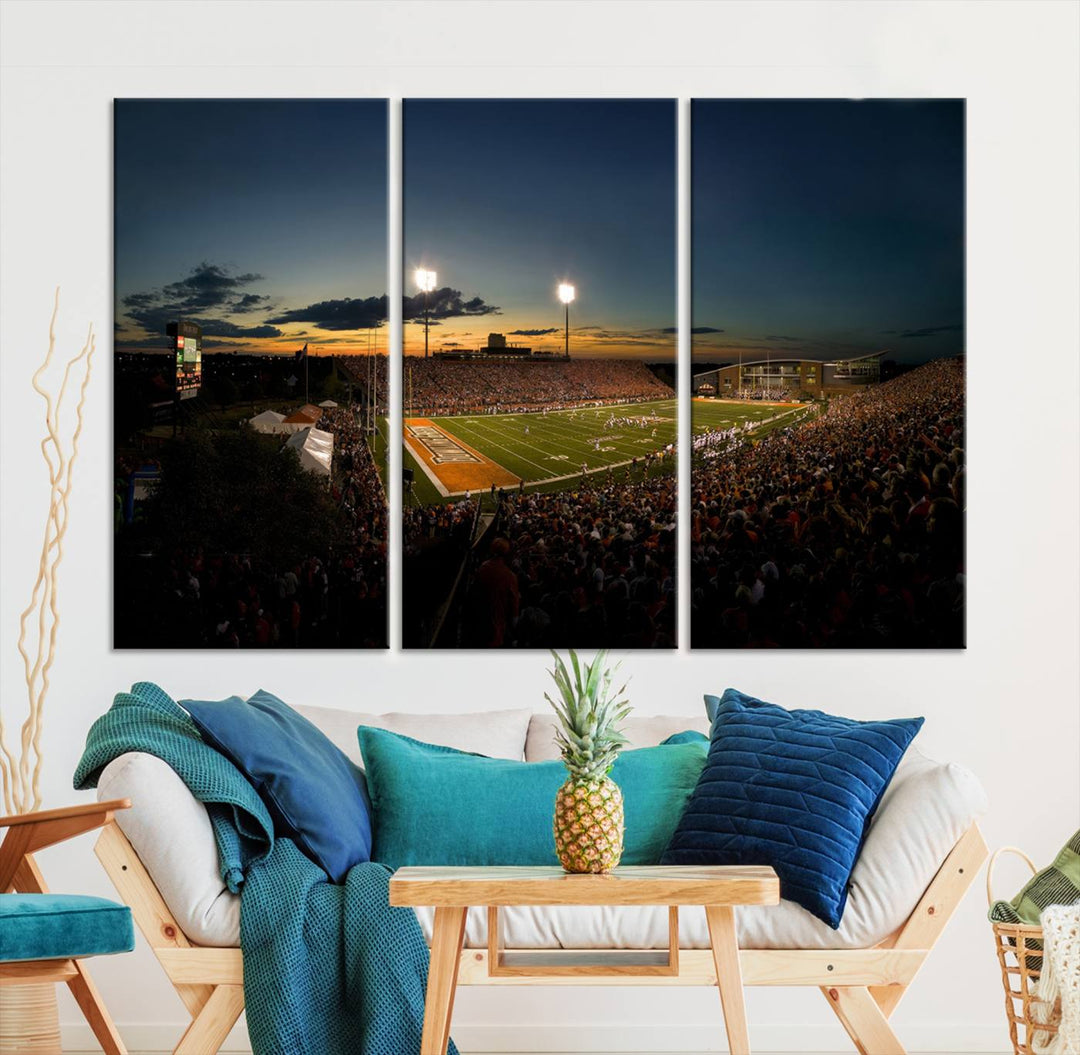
(589, 807)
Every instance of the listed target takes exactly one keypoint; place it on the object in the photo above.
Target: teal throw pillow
(437, 806)
(687, 736)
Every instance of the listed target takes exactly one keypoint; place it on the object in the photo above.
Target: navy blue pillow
(315, 795)
(791, 789)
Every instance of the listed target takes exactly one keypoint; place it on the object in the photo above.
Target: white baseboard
(961, 1038)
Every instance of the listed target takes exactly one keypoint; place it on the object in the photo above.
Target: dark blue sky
(504, 199)
(263, 218)
(823, 227)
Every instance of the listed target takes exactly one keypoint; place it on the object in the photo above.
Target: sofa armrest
(170, 831)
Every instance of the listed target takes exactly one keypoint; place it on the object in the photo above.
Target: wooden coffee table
(452, 891)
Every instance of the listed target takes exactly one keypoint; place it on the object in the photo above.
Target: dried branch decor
(39, 623)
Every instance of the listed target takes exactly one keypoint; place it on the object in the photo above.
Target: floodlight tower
(566, 295)
(425, 282)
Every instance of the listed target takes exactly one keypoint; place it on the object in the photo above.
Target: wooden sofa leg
(211, 1025)
(864, 1021)
(94, 1011)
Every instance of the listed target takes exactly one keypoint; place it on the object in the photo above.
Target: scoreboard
(187, 347)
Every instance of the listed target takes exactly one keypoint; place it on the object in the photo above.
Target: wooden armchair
(44, 937)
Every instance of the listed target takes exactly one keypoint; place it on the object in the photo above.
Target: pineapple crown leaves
(589, 714)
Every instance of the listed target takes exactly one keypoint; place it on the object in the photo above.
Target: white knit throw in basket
(1060, 980)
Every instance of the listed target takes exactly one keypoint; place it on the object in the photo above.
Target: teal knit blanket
(329, 969)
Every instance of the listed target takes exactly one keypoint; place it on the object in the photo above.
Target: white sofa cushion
(640, 730)
(925, 810)
(497, 734)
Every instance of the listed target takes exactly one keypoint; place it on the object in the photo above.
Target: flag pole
(307, 398)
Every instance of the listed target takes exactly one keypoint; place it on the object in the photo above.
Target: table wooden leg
(725, 950)
(446, 941)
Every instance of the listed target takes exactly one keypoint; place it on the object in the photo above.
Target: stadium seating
(845, 531)
(446, 386)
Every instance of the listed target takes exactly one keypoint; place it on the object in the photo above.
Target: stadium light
(425, 282)
(566, 295)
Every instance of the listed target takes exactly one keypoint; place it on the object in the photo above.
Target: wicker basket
(1020, 955)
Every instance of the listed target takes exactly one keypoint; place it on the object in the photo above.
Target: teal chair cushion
(58, 926)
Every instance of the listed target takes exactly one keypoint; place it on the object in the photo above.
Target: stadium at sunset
(539, 389)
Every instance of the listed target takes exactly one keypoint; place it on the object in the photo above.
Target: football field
(454, 454)
(709, 414)
(450, 455)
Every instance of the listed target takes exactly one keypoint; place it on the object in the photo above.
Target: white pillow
(497, 734)
(641, 730)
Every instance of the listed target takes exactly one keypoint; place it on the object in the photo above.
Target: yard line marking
(578, 475)
(575, 451)
(515, 455)
(549, 426)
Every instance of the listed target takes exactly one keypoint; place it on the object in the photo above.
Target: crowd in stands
(369, 368)
(445, 386)
(332, 601)
(592, 566)
(235, 600)
(336, 599)
(843, 531)
(770, 393)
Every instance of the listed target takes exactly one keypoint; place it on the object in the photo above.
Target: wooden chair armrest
(64, 812)
(29, 832)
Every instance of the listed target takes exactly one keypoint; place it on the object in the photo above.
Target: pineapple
(589, 807)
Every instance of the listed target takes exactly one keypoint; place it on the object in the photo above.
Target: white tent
(328, 404)
(316, 449)
(267, 421)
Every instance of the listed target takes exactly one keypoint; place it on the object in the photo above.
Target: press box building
(789, 377)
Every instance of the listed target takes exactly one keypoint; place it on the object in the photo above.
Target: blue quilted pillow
(791, 789)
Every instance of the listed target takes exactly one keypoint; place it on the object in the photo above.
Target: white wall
(1007, 707)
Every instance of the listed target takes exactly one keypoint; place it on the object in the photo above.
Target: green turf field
(706, 414)
(558, 442)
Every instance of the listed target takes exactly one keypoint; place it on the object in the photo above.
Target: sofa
(920, 854)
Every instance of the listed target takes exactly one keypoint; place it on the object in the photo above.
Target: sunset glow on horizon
(505, 199)
(263, 221)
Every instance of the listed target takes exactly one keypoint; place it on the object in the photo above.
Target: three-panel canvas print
(539, 395)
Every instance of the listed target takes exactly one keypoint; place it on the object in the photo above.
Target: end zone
(452, 466)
